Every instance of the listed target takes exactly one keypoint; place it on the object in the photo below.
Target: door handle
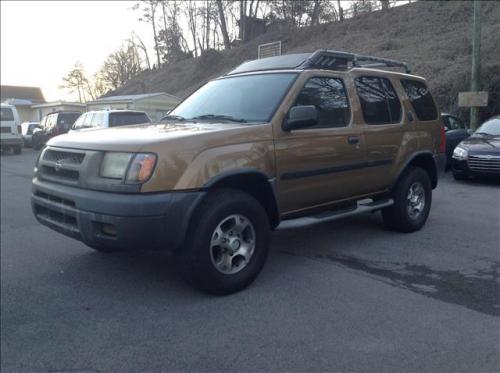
(353, 140)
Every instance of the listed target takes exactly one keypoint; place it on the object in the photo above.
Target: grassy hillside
(434, 37)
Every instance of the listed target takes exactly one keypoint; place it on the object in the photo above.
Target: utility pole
(476, 62)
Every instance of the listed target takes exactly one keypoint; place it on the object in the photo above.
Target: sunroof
(287, 61)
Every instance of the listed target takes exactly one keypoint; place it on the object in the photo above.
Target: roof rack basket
(334, 60)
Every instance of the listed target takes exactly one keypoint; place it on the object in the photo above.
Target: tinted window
(6, 114)
(420, 99)
(330, 98)
(379, 101)
(66, 120)
(453, 123)
(125, 118)
(31, 127)
(253, 98)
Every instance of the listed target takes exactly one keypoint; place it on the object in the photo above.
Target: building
(40, 110)
(31, 104)
(156, 105)
(22, 98)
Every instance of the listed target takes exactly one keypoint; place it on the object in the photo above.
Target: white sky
(42, 40)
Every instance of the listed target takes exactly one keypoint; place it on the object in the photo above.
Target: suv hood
(136, 137)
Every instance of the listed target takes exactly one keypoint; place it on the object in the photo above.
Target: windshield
(490, 127)
(251, 98)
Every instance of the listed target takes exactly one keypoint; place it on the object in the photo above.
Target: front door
(319, 164)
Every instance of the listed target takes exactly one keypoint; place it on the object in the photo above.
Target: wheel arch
(424, 160)
(253, 182)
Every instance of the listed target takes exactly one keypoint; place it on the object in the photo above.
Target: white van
(109, 118)
(10, 133)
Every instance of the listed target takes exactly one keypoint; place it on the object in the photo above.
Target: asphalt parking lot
(346, 296)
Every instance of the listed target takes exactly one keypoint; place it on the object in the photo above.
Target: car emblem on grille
(59, 165)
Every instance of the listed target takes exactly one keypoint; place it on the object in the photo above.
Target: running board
(361, 207)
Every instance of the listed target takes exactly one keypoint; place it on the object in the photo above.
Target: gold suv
(276, 143)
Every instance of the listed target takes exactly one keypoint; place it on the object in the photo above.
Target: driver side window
(329, 97)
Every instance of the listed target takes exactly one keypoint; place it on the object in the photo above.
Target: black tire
(397, 216)
(17, 149)
(459, 176)
(195, 257)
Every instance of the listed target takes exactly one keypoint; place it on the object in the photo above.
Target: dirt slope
(433, 37)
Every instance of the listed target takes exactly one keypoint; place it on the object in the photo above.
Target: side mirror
(470, 131)
(446, 129)
(300, 117)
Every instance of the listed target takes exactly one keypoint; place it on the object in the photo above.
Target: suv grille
(484, 163)
(66, 157)
(59, 165)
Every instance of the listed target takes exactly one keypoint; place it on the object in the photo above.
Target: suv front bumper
(156, 221)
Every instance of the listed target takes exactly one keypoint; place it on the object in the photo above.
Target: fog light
(108, 229)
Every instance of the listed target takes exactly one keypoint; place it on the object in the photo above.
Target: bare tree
(223, 27)
(149, 9)
(75, 81)
(140, 44)
(121, 66)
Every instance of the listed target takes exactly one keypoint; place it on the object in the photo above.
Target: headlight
(140, 166)
(114, 165)
(460, 153)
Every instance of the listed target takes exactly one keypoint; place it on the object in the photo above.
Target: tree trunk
(341, 11)
(207, 24)
(153, 22)
(385, 4)
(223, 27)
(315, 13)
(243, 12)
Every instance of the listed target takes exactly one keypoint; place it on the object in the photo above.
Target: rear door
(8, 121)
(319, 165)
(384, 128)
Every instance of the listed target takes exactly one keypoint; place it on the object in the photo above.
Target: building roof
(33, 94)
(58, 103)
(130, 98)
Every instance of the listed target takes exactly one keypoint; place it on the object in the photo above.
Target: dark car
(479, 155)
(456, 131)
(53, 124)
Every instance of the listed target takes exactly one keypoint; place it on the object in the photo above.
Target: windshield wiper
(221, 117)
(173, 117)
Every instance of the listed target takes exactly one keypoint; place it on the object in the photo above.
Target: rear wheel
(227, 243)
(412, 202)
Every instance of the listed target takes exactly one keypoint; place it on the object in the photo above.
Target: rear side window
(420, 99)
(379, 102)
(6, 114)
(123, 119)
(67, 119)
(330, 98)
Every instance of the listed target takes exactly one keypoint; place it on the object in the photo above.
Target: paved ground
(347, 296)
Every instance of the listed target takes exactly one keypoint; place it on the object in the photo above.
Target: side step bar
(361, 207)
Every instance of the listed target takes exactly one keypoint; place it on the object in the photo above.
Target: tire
(459, 176)
(17, 149)
(210, 260)
(398, 216)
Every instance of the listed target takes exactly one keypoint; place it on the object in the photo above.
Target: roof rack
(328, 59)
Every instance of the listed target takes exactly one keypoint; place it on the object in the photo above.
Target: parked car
(27, 129)
(282, 142)
(10, 131)
(53, 124)
(109, 118)
(456, 131)
(479, 155)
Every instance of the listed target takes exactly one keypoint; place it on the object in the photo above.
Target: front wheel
(227, 243)
(412, 202)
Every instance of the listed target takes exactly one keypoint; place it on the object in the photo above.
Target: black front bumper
(461, 167)
(153, 221)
